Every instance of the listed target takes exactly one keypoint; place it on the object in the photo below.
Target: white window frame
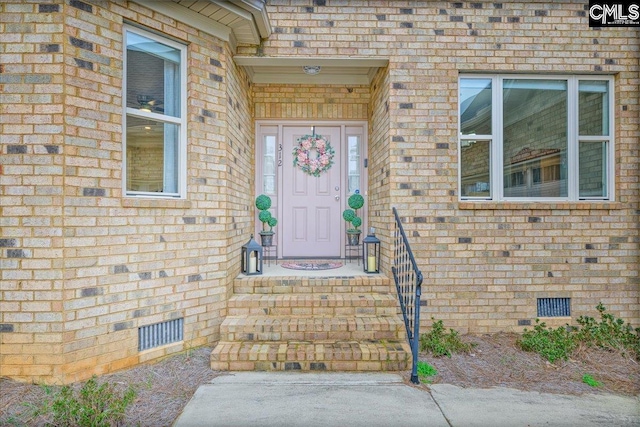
(573, 139)
(180, 121)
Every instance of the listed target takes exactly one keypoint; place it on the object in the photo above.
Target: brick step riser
(310, 366)
(318, 356)
(374, 280)
(311, 336)
(313, 311)
(249, 288)
(313, 300)
(260, 324)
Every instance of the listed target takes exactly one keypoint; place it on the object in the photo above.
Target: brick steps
(311, 328)
(307, 285)
(312, 324)
(311, 356)
(312, 304)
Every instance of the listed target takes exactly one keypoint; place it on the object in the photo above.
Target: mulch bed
(496, 361)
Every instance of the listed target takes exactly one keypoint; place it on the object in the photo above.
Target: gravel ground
(164, 388)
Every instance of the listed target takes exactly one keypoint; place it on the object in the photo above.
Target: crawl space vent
(160, 334)
(554, 307)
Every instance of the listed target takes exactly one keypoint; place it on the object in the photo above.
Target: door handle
(337, 198)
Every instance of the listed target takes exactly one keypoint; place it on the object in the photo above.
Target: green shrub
(94, 405)
(558, 344)
(441, 343)
(552, 344)
(610, 333)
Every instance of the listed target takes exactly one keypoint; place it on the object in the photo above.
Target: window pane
(269, 185)
(475, 168)
(269, 165)
(354, 164)
(152, 156)
(593, 169)
(475, 106)
(535, 138)
(593, 107)
(153, 76)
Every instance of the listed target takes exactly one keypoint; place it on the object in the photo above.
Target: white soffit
(235, 21)
(344, 70)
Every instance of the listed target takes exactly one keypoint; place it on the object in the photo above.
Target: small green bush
(609, 333)
(441, 343)
(94, 405)
(552, 344)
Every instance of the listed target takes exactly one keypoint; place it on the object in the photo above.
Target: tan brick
(78, 146)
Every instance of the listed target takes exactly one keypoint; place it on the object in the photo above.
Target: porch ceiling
(263, 69)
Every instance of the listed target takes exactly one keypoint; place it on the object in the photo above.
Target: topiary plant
(263, 203)
(355, 202)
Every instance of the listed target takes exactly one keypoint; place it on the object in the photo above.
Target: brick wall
(380, 202)
(83, 267)
(298, 101)
(32, 168)
(240, 164)
(485, 264)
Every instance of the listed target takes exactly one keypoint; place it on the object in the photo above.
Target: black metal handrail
(408, 279)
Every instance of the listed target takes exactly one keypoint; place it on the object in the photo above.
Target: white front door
(311, 205)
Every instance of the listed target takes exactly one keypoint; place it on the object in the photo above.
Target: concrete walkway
(382, 399)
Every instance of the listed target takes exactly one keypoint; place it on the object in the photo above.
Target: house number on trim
(279, 155)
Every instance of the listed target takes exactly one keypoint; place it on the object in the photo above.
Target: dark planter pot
(267, 239)
(353, 239)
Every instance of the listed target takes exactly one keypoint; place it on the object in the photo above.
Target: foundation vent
(554, 307)
(160, 334)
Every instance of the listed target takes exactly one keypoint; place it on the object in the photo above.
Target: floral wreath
(303, 157)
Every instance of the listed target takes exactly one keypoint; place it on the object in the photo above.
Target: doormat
(311, 265)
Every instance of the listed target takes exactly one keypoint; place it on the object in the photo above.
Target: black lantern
(371, 253)
(251, 257)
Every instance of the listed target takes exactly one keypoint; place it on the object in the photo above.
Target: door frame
(274, 128)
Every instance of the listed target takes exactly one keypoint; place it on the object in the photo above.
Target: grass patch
(425, 371)
(441, 343)
(608, 333)
(589, 380)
